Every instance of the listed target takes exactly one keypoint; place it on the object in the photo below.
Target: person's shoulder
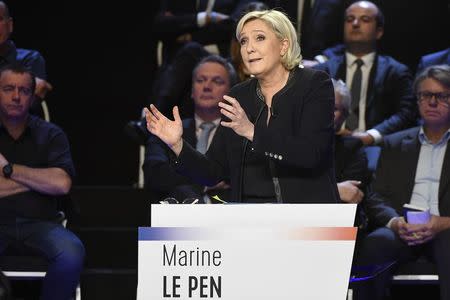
(28, 54)
(39, 124)
(391, 62)
(437, 55)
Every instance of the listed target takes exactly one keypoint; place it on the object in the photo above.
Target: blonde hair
(283, 29)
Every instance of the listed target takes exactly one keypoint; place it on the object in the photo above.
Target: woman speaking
(275, 142)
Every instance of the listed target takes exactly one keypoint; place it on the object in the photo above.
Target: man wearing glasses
(414, 168)
(35, 166)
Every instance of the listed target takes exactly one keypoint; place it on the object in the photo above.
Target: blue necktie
(202, 143)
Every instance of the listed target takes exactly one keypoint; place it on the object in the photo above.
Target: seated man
(36, 166)
(31, 59)
(382, 98)
(204, 22)
(350, 161)
(414, 168)
(212, 78)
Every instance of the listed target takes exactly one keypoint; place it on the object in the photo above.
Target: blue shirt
(428, 172)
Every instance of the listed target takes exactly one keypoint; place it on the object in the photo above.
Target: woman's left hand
(239, 121)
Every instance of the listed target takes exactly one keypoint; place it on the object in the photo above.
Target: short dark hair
(440, 73)
(232, 76)
(19, 69)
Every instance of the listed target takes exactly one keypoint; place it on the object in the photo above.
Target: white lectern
(247, 251)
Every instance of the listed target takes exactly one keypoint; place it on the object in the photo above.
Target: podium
(246, 251)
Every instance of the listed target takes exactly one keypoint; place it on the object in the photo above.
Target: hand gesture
(239, 121)
(168, 131)
(349, 191)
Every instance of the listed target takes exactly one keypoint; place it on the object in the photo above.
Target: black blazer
(390, 105)
(395, 175)
(299, 141)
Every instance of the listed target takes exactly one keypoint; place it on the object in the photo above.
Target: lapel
(376, 79)
(445, 176)
(410, 150)
(338, 69)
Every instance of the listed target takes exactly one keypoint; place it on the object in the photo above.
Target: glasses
(442, 98)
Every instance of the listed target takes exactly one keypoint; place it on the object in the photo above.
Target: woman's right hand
(168, 131)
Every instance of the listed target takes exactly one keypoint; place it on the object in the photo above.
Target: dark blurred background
(100, 61)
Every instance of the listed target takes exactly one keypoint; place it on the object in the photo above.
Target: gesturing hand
(349, 191)
(239, 121)
(168, 131)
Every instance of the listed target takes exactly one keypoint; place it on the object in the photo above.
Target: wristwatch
(8, 170)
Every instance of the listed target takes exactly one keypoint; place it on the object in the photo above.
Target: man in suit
(35, 167)
(203, 21)
(437, 58)
(382, 100)
(414, 168)
(350, 159)
(318, 22)
(212, 78)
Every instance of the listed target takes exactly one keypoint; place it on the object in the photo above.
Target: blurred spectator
(318, 23)
(31, 59)
(350, 160)
(36, 167)
(382, 100)
(203, 21)
(414, 168)
(212, 79)
(438, 58)
(174, 84)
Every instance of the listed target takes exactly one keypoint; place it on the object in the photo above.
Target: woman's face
(261, 50)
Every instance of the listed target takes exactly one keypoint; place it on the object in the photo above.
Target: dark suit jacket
(183, 19)
(160, 177)
(437, 58)
(395, 175)
(350, 160)
(351, 164)
(390, 105)
(298, 141)
(323, 28)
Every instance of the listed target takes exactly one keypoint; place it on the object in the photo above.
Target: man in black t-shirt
(35, 166)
